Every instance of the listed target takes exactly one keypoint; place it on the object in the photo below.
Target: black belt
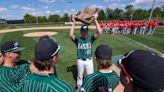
(84, 59)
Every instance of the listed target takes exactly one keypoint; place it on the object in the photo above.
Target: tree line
(107, 14)
(43, 19)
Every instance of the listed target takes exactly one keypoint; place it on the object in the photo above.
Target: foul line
(143, 45)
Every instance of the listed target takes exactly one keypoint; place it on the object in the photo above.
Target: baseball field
(66, 66)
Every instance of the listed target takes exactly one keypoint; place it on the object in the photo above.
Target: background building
(2, 21)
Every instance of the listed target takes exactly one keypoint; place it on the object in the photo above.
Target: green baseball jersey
(44, 83)
(98, 81)
(2, 89)
(84, 47)
(10, 77)
(23, 70)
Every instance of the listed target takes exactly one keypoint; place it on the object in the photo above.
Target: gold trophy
(85, 16)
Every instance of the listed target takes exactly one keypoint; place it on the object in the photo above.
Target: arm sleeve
(76, 40)
(93, 38)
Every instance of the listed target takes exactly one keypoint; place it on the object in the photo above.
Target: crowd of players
(129, 27)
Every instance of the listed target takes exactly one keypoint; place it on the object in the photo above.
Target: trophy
(85, 16)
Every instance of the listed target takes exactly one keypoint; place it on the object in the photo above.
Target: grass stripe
(1, 36)
(145, 46)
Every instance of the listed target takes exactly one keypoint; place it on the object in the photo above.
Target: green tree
(29, 18)
(140, 14)
(54, 18)
(129, 10)
(162, 11)
(102, 15)
(42, 19)
(118, 14)
(129, 7)
(157, 12)
(109, 13)
(65, 18)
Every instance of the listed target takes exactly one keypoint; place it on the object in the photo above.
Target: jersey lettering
(84, 46)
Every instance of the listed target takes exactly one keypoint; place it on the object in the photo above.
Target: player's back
(44, 83)
(95, 81)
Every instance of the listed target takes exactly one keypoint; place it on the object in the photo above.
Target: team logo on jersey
(84, 46)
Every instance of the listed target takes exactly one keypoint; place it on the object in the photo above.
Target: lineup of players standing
(129, 27)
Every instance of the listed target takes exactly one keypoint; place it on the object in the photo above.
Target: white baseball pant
(83, 65)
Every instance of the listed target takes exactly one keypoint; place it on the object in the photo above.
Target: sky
(16, 9)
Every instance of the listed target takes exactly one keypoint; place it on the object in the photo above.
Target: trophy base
(82, 20)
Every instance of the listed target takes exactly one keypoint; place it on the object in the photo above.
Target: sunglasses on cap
(122, 66)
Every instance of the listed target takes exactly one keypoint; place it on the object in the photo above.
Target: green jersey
(84, 47)
(44, 83)
(10, 77)
(95, 81)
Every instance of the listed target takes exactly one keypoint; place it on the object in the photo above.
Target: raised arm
(71, 33)
(99, 30)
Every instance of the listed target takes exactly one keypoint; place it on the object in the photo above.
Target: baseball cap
(84, 28)
(11, 46)
(44, 37)
(103, 52)
(144, 68)
(46, 48)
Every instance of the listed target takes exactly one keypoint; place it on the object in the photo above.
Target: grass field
(67, 58)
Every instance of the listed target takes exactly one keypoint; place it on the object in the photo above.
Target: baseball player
(104, 79)
(153, 27)
(84, 49)
(10, 72)
(142, 71)
(43, 78)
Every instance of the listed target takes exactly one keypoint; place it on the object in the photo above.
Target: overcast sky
(15, 9)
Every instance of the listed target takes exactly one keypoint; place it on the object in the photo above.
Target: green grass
(155, 41)
(68, 58)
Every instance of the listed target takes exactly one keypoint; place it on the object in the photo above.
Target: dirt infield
(38, 34)
(41, 28)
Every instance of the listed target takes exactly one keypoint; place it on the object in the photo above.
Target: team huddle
(129, 27)
(139, 70)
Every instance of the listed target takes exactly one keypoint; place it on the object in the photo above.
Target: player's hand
(95, 16)
(73, 18)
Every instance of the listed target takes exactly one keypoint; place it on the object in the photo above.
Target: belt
(86, 59)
